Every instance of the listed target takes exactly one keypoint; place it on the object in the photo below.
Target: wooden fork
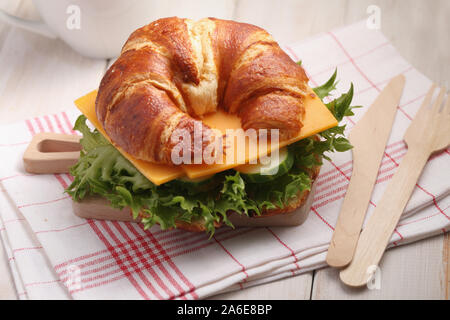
(428, 133)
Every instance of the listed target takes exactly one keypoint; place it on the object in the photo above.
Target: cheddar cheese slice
(156, 173)
(317, 119)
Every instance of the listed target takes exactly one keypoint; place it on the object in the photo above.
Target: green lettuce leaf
(324, 90)
(103, 171)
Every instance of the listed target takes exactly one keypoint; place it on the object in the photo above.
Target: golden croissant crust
(174, 71)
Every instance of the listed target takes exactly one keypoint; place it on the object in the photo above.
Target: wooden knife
(368, 137)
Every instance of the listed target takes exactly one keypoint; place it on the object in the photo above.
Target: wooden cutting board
(55, 153)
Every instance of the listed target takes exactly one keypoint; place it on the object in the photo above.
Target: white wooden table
(40, 76)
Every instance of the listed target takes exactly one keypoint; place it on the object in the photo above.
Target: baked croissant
(174, 71)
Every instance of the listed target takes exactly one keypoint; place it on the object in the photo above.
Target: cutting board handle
(52, 153)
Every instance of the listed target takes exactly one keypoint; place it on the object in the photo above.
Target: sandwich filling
(103, 171)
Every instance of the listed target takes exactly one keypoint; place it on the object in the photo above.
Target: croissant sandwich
(171, 77)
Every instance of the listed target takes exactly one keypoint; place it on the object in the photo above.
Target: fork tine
(427, 101)
(437, 104)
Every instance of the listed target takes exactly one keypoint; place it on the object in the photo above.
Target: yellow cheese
(156, 173)
(317, 119)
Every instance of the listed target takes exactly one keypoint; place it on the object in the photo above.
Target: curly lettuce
(103, 171)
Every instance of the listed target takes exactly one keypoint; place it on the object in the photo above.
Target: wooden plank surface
(413, 271)
(41, 76)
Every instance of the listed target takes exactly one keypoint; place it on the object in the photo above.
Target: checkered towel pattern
(55, 254)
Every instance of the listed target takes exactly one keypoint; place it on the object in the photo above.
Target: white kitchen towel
(53, 249)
